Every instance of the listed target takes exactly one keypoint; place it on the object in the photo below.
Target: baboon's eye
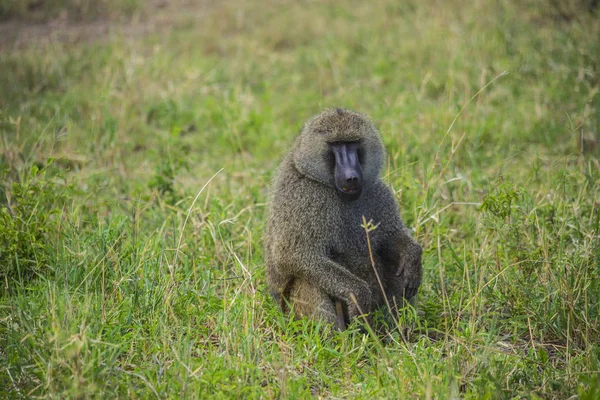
(361, 155)
(330, 159)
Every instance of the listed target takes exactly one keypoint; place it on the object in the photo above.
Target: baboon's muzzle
(348, 172)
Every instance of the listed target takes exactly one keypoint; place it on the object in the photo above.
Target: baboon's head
(342, 149)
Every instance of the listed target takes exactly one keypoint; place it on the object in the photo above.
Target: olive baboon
(316, 251)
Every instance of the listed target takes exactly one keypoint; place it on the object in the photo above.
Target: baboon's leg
(340, 321)
(395, 295)
(308, 300)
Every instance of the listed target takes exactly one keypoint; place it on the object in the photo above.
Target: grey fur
(315, 248)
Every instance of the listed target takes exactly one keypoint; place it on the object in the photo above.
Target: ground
(138, 143)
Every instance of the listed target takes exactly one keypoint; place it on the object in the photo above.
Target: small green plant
(500, 200)
(163, 180)
(27, 219)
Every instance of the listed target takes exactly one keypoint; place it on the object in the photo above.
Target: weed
(27, 218)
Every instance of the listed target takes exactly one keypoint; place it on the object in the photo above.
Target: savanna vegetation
(134, 181)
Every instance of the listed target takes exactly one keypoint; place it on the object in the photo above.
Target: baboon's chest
(352, 249)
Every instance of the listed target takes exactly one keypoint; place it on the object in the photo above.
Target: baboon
(316, 251)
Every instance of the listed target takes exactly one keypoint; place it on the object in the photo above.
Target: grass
(128, 272)
(44, 10)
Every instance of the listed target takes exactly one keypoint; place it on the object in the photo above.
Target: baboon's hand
(410, 271)
(359, 303)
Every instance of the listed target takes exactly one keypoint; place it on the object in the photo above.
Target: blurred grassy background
(44, 10)
(115, 283)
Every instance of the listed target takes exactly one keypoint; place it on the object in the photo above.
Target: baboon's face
(341, 149)
(345, 160)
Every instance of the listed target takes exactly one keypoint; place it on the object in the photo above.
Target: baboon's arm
(338, 283)
(330, 277)
(401, 255)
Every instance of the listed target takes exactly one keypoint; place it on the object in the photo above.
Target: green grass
(115, 283)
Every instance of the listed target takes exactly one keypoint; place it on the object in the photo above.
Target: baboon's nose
(352, 182)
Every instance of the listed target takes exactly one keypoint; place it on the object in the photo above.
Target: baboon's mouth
(348, 193)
